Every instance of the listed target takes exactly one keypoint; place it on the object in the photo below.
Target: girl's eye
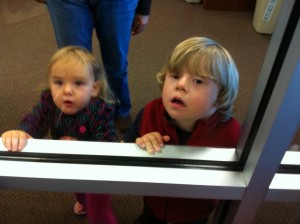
(58, 82)
(197, 81)
(79, 83)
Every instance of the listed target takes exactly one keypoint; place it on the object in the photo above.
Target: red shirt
(211, 132)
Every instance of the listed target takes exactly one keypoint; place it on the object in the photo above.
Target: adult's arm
(144, 7)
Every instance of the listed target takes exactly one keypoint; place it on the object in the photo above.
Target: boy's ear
(96, 88)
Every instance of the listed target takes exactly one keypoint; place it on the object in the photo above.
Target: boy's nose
(182, 84)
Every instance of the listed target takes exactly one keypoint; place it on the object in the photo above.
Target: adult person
(114, 21)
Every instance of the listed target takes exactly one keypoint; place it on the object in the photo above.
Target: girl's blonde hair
(93, 68)
(203, 56)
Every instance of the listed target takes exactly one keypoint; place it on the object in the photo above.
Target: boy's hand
(15, 140)
(152, 142)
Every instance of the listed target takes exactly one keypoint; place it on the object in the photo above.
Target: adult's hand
(41, 1)
(139, 24)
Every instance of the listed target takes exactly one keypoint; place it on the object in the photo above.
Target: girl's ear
(96, 88)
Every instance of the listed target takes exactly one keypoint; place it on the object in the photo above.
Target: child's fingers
(23, 140)
(6, 142)
(157, 139)
(15, 140)
(3, 140)
(68, 138)
(145, 143)
(152, 143)
(11, 142)
(140, 143)
(152, 147)
(166, 138)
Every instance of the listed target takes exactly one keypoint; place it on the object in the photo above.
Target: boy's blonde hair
(93, 68)
(205, 57)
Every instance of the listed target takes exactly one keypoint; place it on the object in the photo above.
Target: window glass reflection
(28, 44)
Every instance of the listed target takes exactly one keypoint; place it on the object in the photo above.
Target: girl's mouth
(68, 103)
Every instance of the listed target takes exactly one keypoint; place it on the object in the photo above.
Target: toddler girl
(77, 105)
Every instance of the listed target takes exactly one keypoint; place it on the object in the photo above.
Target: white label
(269, 10)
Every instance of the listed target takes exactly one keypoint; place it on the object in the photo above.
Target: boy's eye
(197, 81)
(174, 76)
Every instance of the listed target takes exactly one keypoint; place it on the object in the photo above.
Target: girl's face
(71, 87)
(188, 98)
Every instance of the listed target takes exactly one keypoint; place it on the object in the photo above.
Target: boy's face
(70, 86)
(188, 98)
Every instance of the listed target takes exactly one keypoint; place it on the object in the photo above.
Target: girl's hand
(68, 138)
(152, 142)
(15, 140)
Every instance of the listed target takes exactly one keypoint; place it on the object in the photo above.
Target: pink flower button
(82, 129)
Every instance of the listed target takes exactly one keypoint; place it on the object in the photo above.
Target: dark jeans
(147, 217)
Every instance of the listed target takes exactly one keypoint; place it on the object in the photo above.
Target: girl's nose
(68, 89)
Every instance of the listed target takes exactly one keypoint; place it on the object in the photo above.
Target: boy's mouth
(177, 101)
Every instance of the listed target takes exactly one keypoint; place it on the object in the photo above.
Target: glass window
(120, 168)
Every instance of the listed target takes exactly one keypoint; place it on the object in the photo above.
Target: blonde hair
(207, 58)
(93, 68)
